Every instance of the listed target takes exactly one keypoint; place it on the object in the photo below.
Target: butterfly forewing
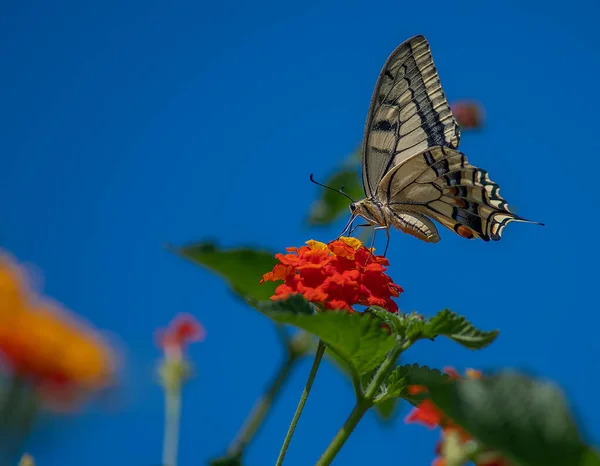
(408, 112)
(441, 184)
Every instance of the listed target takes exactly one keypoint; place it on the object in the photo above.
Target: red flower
(426, 413)
(182, 330)
(337, 275)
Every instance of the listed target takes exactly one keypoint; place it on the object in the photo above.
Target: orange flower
(13, 286)
(337, 275)
(42, 343)
(428, 414)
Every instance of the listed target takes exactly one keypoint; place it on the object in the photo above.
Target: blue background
(125, 125)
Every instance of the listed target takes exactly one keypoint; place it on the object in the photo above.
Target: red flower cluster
(337, 275)
(428, 414)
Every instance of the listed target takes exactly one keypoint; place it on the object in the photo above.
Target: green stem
(261, 409)
(383, 371)
(303, 398)
(343, 434)
(363, 403)
(172, 419)
(19, 408)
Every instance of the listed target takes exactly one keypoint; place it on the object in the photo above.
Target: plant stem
(172, 419)
(343, 434)
(303, 398)
(261, 408)
(363, 403)
(383, 371)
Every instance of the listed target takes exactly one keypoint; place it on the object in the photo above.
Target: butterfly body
(412, 172)
(377, 213)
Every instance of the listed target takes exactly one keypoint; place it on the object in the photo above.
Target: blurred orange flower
(337, 275)
(42, 343)
(428, 414)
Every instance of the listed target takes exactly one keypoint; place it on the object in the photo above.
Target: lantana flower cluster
(428, 414)
(336, 275)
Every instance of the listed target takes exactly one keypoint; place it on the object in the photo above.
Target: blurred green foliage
(525, 419)
(331, 205)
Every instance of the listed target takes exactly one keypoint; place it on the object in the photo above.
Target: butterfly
(411, 170)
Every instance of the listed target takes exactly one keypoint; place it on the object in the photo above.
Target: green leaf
(455, 327)
(387, 409)
(357, 338)
(526, 420)
(395, 321)
(397, 383)
(405, 325)
(242, 268)
(590, 458)
(331, 205)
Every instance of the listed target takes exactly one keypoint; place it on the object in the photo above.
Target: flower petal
(316, 245)
(355, 243)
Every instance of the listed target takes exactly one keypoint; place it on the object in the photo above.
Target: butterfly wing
(441, 184)
(408, 112)
(417, 225)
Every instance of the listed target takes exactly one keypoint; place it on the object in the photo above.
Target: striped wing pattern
(408, 112)
(441, 184)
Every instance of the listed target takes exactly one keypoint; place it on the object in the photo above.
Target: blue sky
(126, 125)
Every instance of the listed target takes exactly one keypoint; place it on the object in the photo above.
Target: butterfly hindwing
(441, 184)
(408, 112)
(417, 225)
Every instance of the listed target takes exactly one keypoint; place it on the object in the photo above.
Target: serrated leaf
(242, 268)
(397, 383)
(526, 420)
(396, 322)
(331, 205)
(357, 338)
(458, 329)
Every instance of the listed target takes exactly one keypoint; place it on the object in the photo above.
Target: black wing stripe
(408, 112)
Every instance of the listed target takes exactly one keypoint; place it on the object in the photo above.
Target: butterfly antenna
(341, 190)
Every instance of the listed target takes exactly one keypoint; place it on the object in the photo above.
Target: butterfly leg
(387, 229)
(356, 226)
(387, 232)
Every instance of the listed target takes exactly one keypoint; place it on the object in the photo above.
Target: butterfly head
(369, 210)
